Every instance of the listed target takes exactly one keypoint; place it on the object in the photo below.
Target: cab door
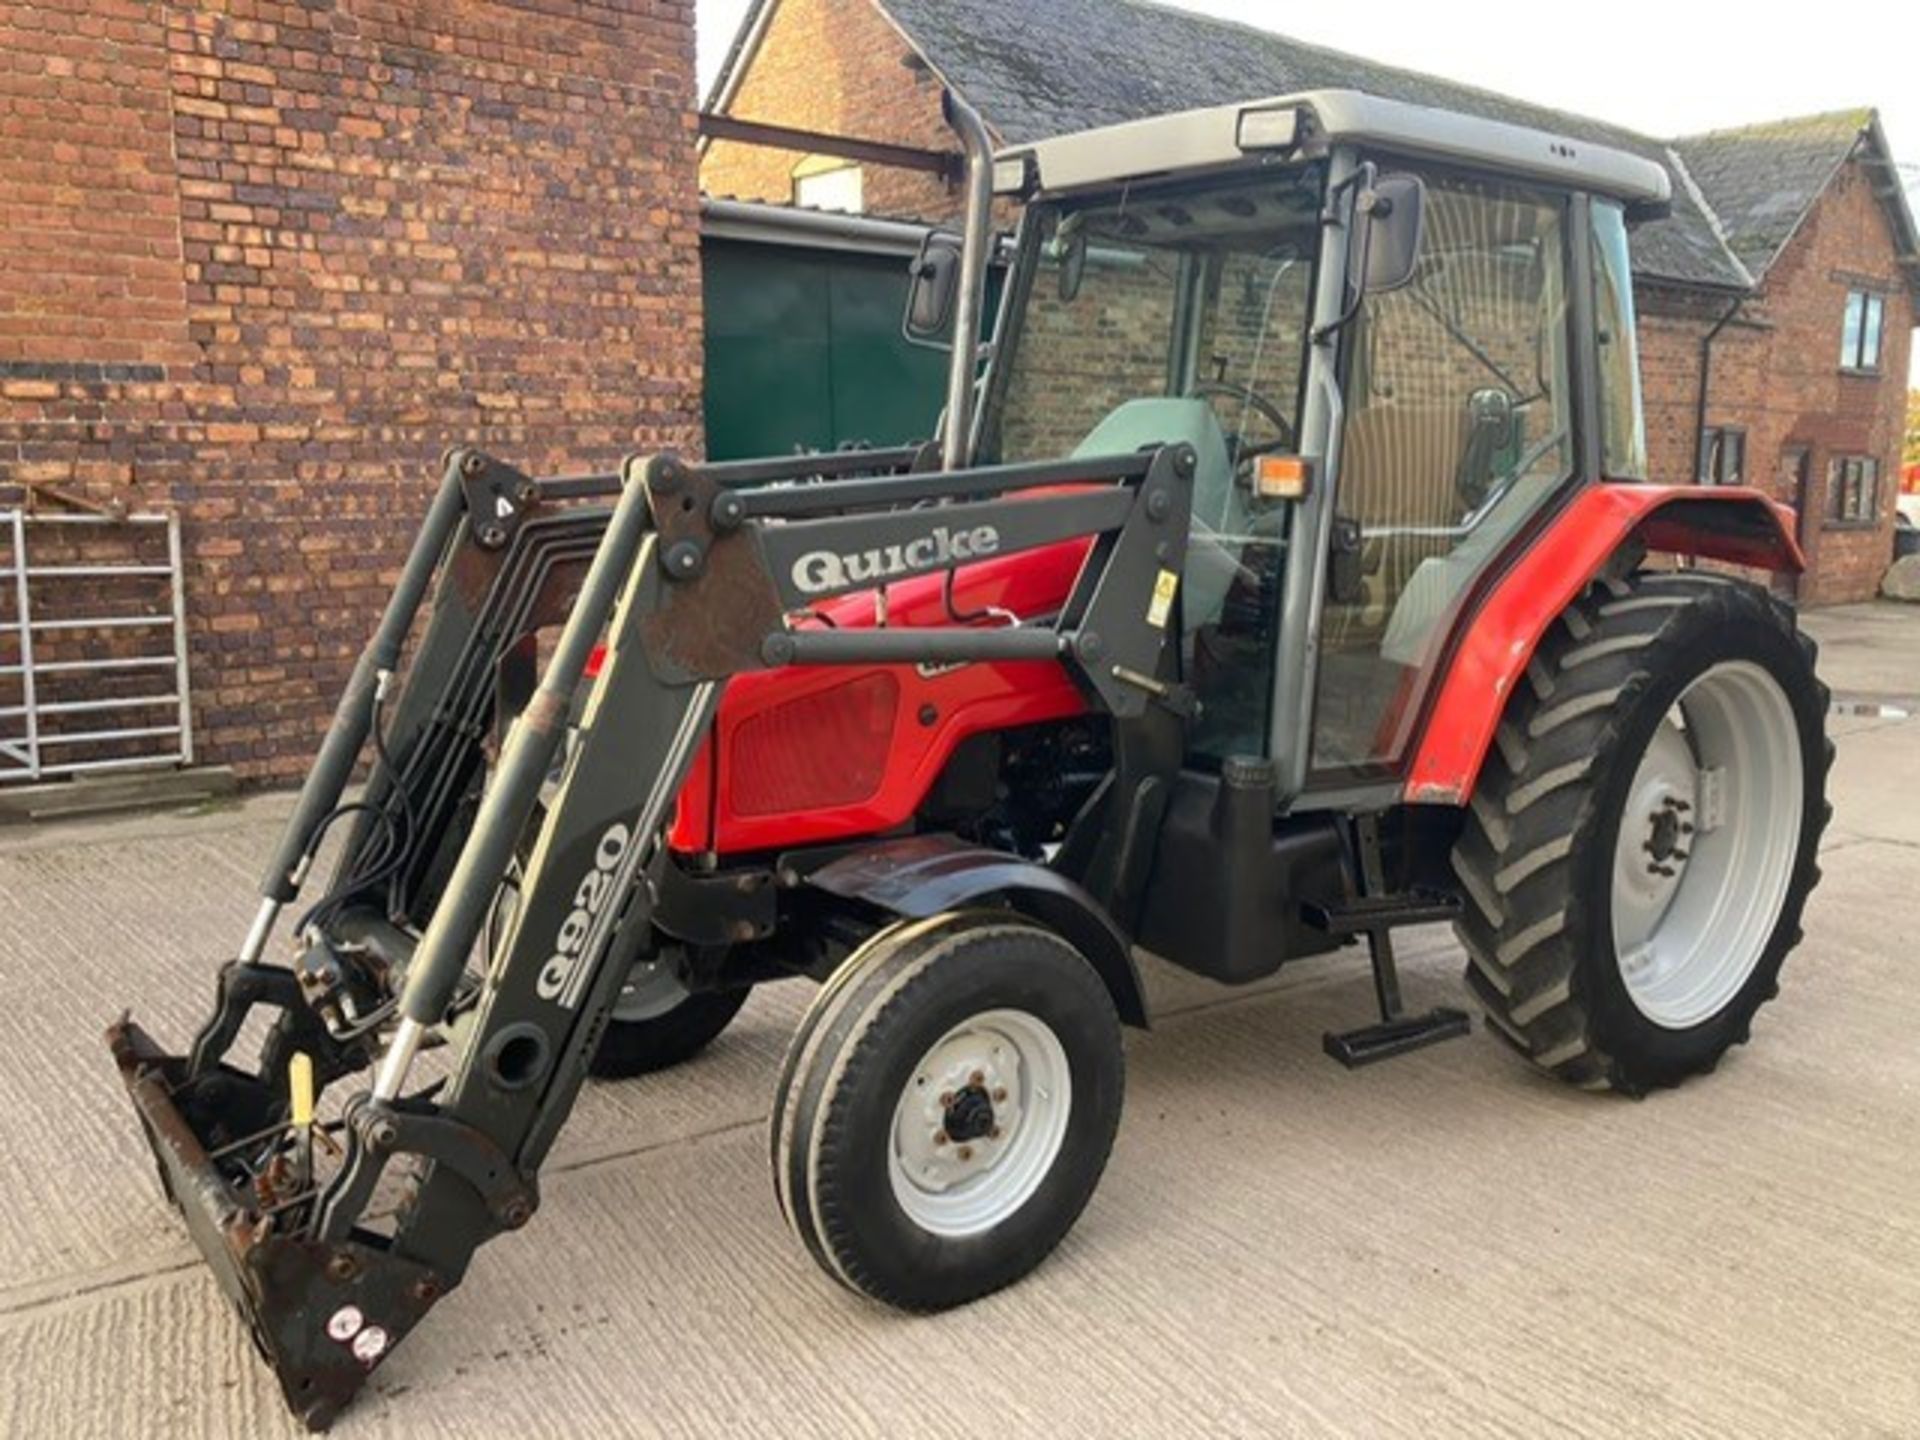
(1459, 406)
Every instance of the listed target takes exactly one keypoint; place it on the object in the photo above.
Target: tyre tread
(1518, 847)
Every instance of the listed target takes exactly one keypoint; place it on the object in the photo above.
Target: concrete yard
(1442, 1245)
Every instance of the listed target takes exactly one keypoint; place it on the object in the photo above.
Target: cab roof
(1243, 134)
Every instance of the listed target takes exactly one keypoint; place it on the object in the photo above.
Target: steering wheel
(1253, 400)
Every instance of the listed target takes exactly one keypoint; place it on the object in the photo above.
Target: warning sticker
(1163, 587)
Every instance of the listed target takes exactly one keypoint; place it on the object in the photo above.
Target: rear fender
(921, 875)
(1729, 523)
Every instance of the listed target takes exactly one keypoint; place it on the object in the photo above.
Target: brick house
(1786, 239)
(263, 260)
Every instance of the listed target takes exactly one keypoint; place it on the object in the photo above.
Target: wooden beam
(945, 163)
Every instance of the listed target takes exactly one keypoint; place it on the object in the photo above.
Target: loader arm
(689, 579)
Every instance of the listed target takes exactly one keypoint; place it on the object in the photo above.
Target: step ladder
(1375, 913)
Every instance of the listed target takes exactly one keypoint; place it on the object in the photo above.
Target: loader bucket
(322, 1315)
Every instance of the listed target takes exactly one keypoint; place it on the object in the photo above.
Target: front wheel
(1645, 833)
(947, 1109)
(657, 1022)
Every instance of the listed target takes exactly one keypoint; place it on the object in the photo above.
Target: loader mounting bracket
(497, 496)
(242, 986)
(378, 1130)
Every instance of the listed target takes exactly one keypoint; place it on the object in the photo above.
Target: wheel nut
(994, 1134)
(999, 1093)
(965, 1152)
(977, 1078)
(946, 1097)
(939, 1137)
(341, 1267)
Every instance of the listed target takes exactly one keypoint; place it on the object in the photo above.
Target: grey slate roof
(1035, 68)
(1762, 179)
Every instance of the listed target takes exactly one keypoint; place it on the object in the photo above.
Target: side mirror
(933, 286)
(1492, 432)
(1387, 241)
(1073, 266)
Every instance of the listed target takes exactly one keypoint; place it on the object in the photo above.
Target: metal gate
(93, 644)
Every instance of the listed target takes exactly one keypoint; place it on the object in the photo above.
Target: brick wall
(840, 68)
(264, 261)
(1776, 374)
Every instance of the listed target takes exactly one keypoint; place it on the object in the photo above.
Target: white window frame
(1863, 328)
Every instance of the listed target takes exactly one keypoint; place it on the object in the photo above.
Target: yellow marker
(300, 1088)
(1163, 587)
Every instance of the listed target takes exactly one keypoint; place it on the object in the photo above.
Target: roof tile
(1036, 68)
(1761, 179)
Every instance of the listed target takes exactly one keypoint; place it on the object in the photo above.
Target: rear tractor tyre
(947, 1109)
(1644, 835)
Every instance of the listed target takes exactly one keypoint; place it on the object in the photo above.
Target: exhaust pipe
(975, 238)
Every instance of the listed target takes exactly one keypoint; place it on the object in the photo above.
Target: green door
(803, 350)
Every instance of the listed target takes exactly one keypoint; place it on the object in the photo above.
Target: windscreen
(1180, 315)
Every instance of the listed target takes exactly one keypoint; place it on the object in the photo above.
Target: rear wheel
(947, 1109)
(1645, 833)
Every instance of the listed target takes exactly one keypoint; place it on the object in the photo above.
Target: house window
(1723, 456)
(1853, 490)
(1860, 331)
(825, 182)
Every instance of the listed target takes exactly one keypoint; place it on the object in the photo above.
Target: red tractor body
(806, 757)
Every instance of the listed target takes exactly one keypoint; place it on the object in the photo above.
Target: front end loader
(1291, 575)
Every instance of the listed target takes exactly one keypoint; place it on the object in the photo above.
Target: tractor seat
(1397, 470)
(1219, 509)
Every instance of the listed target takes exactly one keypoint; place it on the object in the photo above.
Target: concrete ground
(1443, 1245)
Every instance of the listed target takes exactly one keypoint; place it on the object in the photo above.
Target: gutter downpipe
(1706, 380)
(975, 239)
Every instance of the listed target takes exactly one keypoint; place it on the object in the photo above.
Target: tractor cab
(1377, 418)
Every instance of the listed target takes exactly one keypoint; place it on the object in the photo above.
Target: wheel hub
(979, 1122)
(1667, 827)
(1706, 845)
(962, 1109)
(970, 1115)
(653, 988)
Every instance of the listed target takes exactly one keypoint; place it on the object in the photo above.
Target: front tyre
(948, 1109)
(1644, 836)
(657, 1022)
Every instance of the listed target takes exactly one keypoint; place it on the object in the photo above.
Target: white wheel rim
(651, 989)
(1707, 845)
(966, 1182)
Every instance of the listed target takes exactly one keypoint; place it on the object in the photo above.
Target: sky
(1662, 67)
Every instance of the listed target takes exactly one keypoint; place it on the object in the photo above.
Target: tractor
(1285, 570)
